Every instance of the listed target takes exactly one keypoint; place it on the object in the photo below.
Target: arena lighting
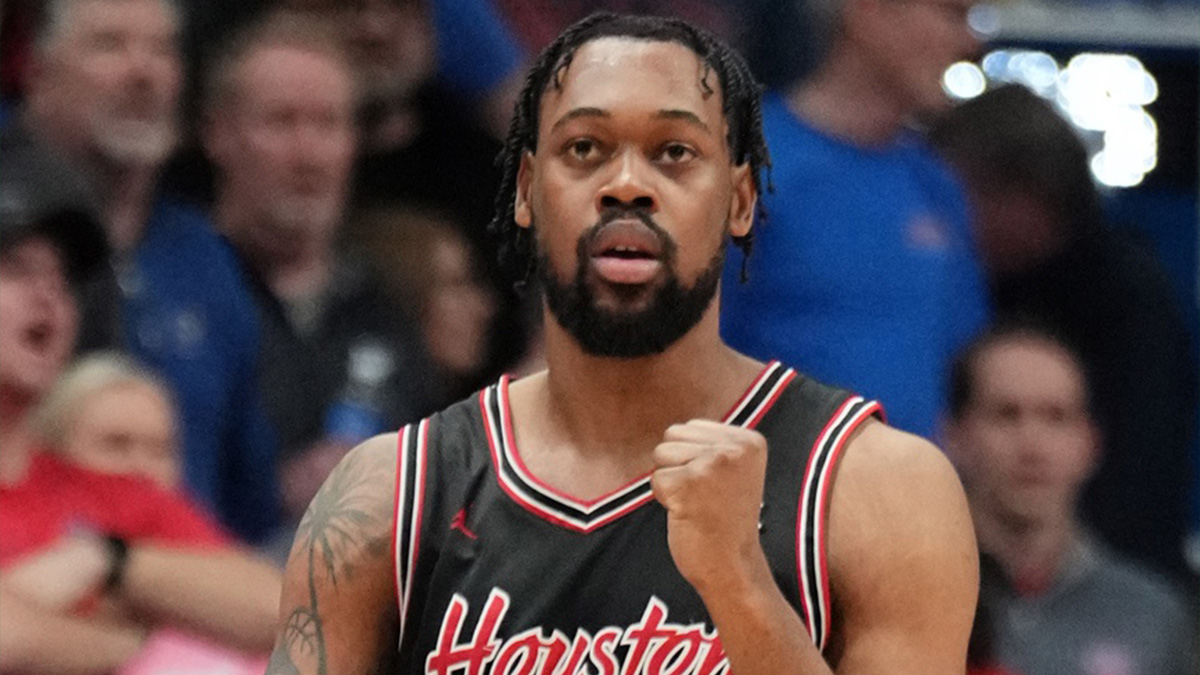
(1103, 95)
(964, 80)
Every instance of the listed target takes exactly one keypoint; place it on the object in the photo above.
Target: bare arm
(37, 640)
(903, 559)
(338, 611)
(902, 554)
(227, 595)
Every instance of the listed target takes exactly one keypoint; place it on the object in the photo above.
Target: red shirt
(56, 498)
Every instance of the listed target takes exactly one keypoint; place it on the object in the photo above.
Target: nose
(630, 185)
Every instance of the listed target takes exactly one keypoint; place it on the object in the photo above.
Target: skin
(284, 145)
(884, 67)
(631, 124)
(126, 429)
(1025, 446)
(40, 318)
(223, 594)
(107, 82)
(103, 90)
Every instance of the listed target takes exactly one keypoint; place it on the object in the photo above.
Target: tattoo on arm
(347, 523)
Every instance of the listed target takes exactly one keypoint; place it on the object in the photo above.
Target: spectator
(866, 275)
(1021, 433)
(1049, 255)
(90, 562)
(103, 93)
(111, 415)
(431, 271)
(339, 362)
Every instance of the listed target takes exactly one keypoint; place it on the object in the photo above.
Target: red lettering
(602, 651)
(684, 645)
(714, 661)
(642, 634)
(451, 655)
(519, 654)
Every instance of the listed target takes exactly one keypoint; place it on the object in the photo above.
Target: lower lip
(626, 271)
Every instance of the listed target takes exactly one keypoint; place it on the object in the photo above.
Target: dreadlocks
(741, 102)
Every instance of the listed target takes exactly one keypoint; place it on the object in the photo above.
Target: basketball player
(653, 503)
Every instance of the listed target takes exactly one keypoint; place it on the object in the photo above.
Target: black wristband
(118, 552)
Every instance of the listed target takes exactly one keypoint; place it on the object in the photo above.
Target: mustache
(614, 213)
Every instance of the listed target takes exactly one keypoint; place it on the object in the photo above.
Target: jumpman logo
(459, 522)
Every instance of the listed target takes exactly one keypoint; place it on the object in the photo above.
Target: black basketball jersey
(501, 574)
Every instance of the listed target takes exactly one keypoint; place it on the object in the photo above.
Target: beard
(668, 315)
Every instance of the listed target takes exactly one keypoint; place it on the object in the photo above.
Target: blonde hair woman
(111, 414)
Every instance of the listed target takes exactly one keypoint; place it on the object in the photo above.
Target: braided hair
(741, 101)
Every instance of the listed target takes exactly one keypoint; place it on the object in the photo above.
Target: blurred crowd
(240, 238)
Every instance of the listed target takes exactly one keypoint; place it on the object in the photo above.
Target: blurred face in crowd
(108, 77)
(458, 313)
(1014, 228)
(284, 145)
(631, 193)
(393, 45)
(38, 317)
(127, 428)
(910, 44)
(1025, 442)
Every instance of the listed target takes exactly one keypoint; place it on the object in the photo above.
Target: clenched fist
(709, 476)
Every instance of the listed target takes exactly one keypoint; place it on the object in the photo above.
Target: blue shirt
(188, 314)
(476, 51)
(863, 274)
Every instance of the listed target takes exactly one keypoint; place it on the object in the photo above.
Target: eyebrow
(664, 114)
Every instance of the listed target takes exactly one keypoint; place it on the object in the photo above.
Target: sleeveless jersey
(500, 574)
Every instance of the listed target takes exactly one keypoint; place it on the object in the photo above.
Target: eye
(582, 148)
(676, 153)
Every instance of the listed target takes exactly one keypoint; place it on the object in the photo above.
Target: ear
(743, 201)
(522, 213)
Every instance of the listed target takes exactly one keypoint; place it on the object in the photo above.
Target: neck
(299, 269)
(847, 98)
(126, 190)
(128, 197)
(1031, 552)
(16, 441)
(622, 406)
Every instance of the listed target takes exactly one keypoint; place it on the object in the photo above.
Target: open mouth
(626, 252)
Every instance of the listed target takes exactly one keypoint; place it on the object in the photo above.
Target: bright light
(964, 80)
(1103, 95)
(984, 20)
(1114, 171)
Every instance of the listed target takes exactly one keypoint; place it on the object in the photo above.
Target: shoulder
(883, 467)
(1139, 589)
(898, 505)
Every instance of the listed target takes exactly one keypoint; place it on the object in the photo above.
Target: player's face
(126, 429)
(287, 144)
(37, 317)
(631, 194)
(1026, 443)
(113, 74)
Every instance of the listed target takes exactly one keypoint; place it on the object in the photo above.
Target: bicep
(338, 607)
(904, 565)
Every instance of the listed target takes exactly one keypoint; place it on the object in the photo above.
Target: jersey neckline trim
(585, 516)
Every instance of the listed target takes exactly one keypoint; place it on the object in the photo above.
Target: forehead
(152, 15)
(270, 70)
(635, 76)
(33, 248)
(1029, 366)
